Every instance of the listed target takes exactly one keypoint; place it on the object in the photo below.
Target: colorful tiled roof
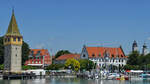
(68, 56)
(100, 51)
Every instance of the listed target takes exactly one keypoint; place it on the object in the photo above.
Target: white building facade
(104, 56)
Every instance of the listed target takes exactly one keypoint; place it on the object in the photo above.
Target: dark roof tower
(134, 46)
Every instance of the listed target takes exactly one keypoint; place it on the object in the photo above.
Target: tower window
(18, 38)
(8, 39)
(14, 38)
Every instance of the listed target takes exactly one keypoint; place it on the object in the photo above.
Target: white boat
(113, 76)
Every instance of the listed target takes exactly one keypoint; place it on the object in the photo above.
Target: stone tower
(145, 50)
(13, 47)
(134, 46)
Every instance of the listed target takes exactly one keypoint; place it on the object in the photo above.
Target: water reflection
(72, 81)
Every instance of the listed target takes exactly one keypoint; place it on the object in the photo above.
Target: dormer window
(93, 55)
(121, 55)
(39, 52)
(32, 52)
(99, 54)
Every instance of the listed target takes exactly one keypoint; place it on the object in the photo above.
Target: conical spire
(13, 27)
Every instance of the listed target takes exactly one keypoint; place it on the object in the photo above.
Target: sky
(70, 24)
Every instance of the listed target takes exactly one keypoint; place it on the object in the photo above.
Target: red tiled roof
(68, 56)
(100, 51)
(42, 52)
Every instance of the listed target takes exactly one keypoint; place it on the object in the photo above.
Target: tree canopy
(138, 61)
(133, 58)
(25, 52)
(86, 64)
(72, 64)
(55, 67)
(61, 52)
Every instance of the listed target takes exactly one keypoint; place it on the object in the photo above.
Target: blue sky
(69, 24)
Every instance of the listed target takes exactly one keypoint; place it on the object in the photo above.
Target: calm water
(72, 81)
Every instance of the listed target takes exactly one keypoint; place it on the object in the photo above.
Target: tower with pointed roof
(134, 46)
(13, 47)
(145, 50)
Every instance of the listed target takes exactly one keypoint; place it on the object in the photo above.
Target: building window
(113, 60)
(8, 39)
(14, 39)
(99, 54)
(112, 55)
(122, 60)
(39, 52)
(93, 55)
(83, 55)
(36, 62)
(121, 55)
(18, 38)
(32, 61)
(119, 60)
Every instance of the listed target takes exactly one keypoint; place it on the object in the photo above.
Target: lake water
(72, 81)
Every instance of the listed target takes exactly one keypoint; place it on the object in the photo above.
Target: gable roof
(68, 56)
(94, 52)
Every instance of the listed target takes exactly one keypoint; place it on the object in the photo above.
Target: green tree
(28, 67)
(86, 64)
(72, 64)
(133, 58)
(55, 67)
(25, 52)
(1, 66)
(61, 52)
